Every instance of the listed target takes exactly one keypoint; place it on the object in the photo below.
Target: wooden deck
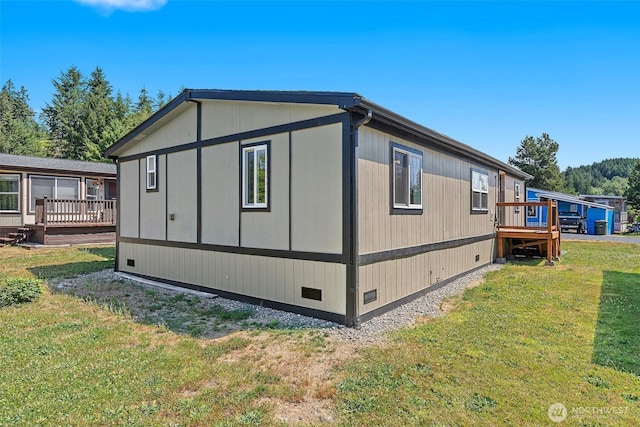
(514, 238)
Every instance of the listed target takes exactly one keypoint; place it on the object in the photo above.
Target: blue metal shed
(537, 217)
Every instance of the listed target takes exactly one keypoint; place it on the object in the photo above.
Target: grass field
(529, 337)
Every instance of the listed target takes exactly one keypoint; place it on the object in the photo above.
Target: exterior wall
(129, 203)
(181, 185)
(398, 278)
(514, 216)
(268, 229)
(274, 279)
(447, 219)
(446, 198)
(316, 190)
(180, 130)
(192, 229)
(222, 118)
(220, 199)
(153, 205)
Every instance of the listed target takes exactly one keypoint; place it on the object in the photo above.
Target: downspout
(352, 316)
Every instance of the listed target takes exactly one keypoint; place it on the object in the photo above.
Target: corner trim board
(407, 252)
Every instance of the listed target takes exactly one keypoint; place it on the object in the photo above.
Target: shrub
(17, 291)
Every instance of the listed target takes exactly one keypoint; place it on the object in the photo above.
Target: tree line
(538, 157)
(83, 118)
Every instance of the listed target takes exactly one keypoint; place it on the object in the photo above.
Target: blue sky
(484, 73)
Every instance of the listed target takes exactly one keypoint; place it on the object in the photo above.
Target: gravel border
(372, 331)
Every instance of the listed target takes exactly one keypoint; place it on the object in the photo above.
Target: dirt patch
(306, 364)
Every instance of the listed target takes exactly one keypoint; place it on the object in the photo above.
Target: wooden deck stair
(21, 235)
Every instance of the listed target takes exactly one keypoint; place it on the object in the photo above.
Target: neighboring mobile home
(320, 203)
(78, 196)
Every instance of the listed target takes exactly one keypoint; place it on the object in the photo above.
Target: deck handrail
(76, 212)
(553, 216)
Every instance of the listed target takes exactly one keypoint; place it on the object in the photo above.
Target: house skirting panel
(313, 288)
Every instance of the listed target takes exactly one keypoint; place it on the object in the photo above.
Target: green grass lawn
(530, 336)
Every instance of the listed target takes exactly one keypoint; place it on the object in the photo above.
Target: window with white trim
(52, 188)
(516, 196)
(479, 191)
(152, 172)
(407, 177)
(255, 176)
(9, 193)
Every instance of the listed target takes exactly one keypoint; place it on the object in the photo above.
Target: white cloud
(128, 5)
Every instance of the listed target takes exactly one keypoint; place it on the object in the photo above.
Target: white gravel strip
(371, 331)
(427, 305)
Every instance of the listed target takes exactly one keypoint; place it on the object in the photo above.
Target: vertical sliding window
(407, 178)
(9, 193)
(255, 176)
(152, 174)
(516, 196)
(479, 191)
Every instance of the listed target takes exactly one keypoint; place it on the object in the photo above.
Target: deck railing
(75, 212)
(514, 215)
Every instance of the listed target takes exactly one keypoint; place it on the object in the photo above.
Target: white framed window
(152, 173)
(407, 178)
(93, 189)
(479, 191)
(52, 187)
(516, 195)
(9, 193)
(255, 176)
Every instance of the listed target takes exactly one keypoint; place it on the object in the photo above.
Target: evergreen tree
(633, 191)
(98, 113)
(64, 116)
(19, 132)
(537, 157)
(143, 108)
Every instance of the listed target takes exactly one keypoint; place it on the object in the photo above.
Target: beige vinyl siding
(395, 279)
(446, 198)
(275, 279)
(270, 230)
(316, 189)
(180, 130)
(220, 118)
(153, 204)
(220, 194)
(10, 220)
(513, 217)
(129, 198)
(181, 185)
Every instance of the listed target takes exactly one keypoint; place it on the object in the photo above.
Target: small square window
(152, 173)
(255, 176)
(407, 178)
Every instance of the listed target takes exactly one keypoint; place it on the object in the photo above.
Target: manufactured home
(321, 203)
(54, 201)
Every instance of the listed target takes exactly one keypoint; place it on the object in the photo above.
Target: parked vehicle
(572, 221)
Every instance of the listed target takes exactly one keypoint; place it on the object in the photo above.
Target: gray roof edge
(349, 101)
(50, 163)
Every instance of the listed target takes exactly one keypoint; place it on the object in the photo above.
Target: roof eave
(395, 120)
